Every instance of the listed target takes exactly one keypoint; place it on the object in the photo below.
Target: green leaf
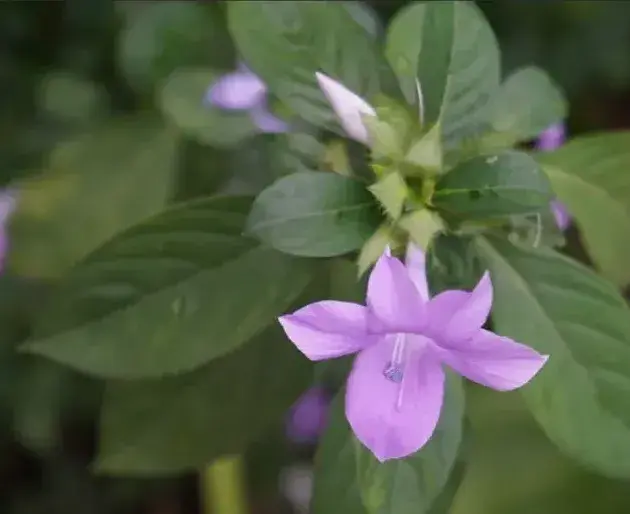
(540, 229)
(169, 35)
(169, 295)
(314, 214)
(336, 488)
(453, 263)
(374, 247)
(419, 40)
(527, 103)
(203, 170)
(365, 16)
(92, 187)
(183, 423)
(69, 97)
(287, 42)
(300, 149)
(391, 192)
(443, 503)
(347, 472)
(182, 100)
(433, 68)
(422, 226)
(493, 186)
(564, 310)
(588, 176)
(426, 153)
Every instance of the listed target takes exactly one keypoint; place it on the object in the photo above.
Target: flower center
(394, 370)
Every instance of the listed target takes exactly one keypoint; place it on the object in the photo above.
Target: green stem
(223, 487)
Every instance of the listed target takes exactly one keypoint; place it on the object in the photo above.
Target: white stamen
(395, 371)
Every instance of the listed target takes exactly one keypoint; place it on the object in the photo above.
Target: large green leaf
(494, 186)
(527, 103)
(166, 35)
(182, 100)
(562, 309)
(314, 214)
(287, 42)
(589, 175)
(92, 187)
(420, 44)
(365, 16)
(71, 98)
(336, 488)
(170, 294)
(347, 473)
(452, 263)
(183, 423)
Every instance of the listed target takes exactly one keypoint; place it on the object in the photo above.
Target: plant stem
(223, 487)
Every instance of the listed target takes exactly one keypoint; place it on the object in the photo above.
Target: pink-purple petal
(441, 309)
(394, 302)
(457, 315)
(392, 423)
(561, 214)
(328, 329)
(348, 106)
(552, 137)
(240, 90)
(416, 267)
(495, 361)
(267, 122)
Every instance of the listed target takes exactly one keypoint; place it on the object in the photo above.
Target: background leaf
(527, 103)
(562, 309)
(452, 262)
(365, 16)
(473, 69)
(167, 295)
(286, 43)
(493, 186)
(336, 485)
(589, 176)
(93, 187)
(185, 422)
(164, 36)
(314, 214)
(182, 101)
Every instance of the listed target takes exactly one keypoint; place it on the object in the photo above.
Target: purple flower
(7, 206)
(395, 389)
(560, 212)
(550, 139)
(308, 416)
(243, 90)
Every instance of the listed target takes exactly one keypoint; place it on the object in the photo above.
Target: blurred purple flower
(308, 416)
(551, 138)
(560, 212)
(243, 90)
(7, 206)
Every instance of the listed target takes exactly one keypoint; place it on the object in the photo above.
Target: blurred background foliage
(96, 117)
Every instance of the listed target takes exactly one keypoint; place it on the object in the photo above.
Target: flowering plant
(360, 195)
